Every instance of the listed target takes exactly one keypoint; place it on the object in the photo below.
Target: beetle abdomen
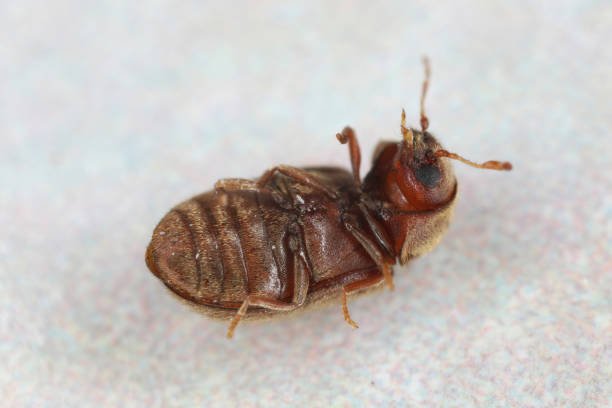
(217, 248)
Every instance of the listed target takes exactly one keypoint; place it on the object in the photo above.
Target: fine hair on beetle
(296, 238)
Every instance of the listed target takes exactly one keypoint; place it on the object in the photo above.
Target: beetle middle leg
(301, 283)
(354, 287)
(299, 175)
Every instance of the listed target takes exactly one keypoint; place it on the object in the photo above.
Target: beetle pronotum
(296, 237)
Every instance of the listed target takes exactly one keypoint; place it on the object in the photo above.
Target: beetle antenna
(406, 132)
(424, 120)
(491, 164)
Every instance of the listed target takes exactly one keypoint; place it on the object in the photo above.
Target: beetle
(298, 237)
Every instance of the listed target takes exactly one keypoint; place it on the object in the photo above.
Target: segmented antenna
(406, 132)
(424, 120)
(491, 164)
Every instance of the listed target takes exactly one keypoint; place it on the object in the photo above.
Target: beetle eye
(428, 175)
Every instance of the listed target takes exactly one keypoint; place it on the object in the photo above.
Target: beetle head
(415, 182)
(417, 190)
(410, 175)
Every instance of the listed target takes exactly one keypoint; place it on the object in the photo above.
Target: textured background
(111, 112)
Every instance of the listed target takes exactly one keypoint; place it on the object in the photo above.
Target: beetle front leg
(345, 312)
(371, 248)
(348, 135)
(263, 302)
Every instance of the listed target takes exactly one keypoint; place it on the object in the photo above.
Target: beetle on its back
(299, 237)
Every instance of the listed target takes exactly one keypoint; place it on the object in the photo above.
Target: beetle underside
(299, 238)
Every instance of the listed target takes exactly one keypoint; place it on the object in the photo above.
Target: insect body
(298, 237)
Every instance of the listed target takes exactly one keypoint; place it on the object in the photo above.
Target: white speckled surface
(112, 112)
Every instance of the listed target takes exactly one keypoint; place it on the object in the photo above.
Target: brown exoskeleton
(298, 237)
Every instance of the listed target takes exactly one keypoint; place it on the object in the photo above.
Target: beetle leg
(301, 283)
(299, 175)
(381, 235)
(345, 312)
(265, 303)
(355, 287)
(238, 184)
(235, 184)
(388, 276)
(237, 317)
(348, 135)
(371, 248)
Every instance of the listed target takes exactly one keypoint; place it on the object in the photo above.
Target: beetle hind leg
(301, 283)
(263, 302)
(237, 317)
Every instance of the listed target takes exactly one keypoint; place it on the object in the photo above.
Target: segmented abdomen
(217, 248)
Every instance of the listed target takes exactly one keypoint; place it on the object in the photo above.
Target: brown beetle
(299, 237)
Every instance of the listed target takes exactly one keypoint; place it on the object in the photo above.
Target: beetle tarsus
(388, 277)
(237, 317)
(345, 312)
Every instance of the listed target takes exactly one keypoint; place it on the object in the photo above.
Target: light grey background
(111, 112)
